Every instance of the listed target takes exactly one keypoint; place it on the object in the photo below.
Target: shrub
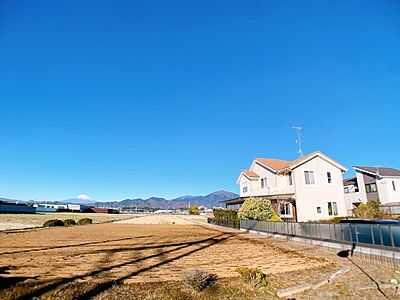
(256, 209)
(85, 221)
(53, 223)
(370, 210)
(69, 222)
(225, 214)
(255, 277)
(198, 279)
(194, 210)
(226, 223)
(275, 217)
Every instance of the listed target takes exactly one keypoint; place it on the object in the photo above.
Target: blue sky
(119, 99)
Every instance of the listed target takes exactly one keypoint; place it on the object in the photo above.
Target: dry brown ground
(114, 261)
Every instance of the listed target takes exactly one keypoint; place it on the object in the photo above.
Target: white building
(372, 183)
(306, 189)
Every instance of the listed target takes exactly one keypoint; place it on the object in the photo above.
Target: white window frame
(320, 207)
(290, 179)
(245, 188)
(290, 215)
(334, 208)
(314, 175)
(264, 182)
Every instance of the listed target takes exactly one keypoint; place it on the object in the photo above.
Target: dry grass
(134, 261)
(18, 221)
(93, 260)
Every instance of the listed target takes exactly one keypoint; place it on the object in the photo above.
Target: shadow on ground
(53, 286)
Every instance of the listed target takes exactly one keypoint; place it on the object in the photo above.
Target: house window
(329, 177)
(346, 190)
(285, 209)
(263, 183)
(332, 209)
(245, 189)
(290, 179)
(371, 188)
(394, 186)
(319, 210)
(309, 177)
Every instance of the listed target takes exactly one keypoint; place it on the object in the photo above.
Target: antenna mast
(298, 140)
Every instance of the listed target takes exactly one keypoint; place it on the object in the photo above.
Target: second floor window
(290, 179)
(245, 189)
(329, 177)
(263, 183)
(346, 190)
(371, 188)
(309, 177)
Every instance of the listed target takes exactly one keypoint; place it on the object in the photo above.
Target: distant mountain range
(210, 200)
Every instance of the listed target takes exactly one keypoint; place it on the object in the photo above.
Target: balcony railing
(273, 190)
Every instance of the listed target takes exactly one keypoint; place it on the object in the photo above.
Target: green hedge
(85, 221)
(225, 214)
(226, 223)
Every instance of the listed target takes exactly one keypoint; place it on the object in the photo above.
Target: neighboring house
(372, 183)
(308, 188)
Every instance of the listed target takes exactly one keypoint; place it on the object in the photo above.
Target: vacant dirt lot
(20, 221)
(51, 259)
(145, 261)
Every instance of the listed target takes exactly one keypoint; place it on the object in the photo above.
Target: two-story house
(308, 188)
(372, 183)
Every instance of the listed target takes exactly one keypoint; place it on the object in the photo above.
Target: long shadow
(146, 247)
(106, 285)
(54, 285)
(6, 282)
(73, 245)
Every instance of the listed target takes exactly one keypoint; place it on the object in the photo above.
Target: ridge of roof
(279, 164)
(273, 163)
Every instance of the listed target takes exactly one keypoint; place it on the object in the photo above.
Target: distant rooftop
(382, 171)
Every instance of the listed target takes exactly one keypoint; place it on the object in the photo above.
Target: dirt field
(19, 221)
(145, 261)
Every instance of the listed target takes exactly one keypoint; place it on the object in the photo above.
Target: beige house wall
(309, 197)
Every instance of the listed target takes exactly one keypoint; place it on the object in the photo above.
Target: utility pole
(298, 140)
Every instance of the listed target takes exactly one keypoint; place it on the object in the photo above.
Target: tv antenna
(298, 140)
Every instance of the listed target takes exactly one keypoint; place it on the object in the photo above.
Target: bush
(256, 209)
(85, 221)
(235, 224)
(370, 210)
(225, 214)
(198, 279)
(69, 222)
(255, 277)
(194, 210)
(53, 223)
(275, 217)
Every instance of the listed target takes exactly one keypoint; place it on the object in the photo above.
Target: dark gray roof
(380, 170)
(350, 181)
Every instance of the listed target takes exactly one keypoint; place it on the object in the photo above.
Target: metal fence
(390, 209)
(375, 235)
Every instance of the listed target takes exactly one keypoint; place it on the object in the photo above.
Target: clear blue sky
(120, 99)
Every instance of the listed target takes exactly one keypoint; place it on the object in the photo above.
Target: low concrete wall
(386, 257)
